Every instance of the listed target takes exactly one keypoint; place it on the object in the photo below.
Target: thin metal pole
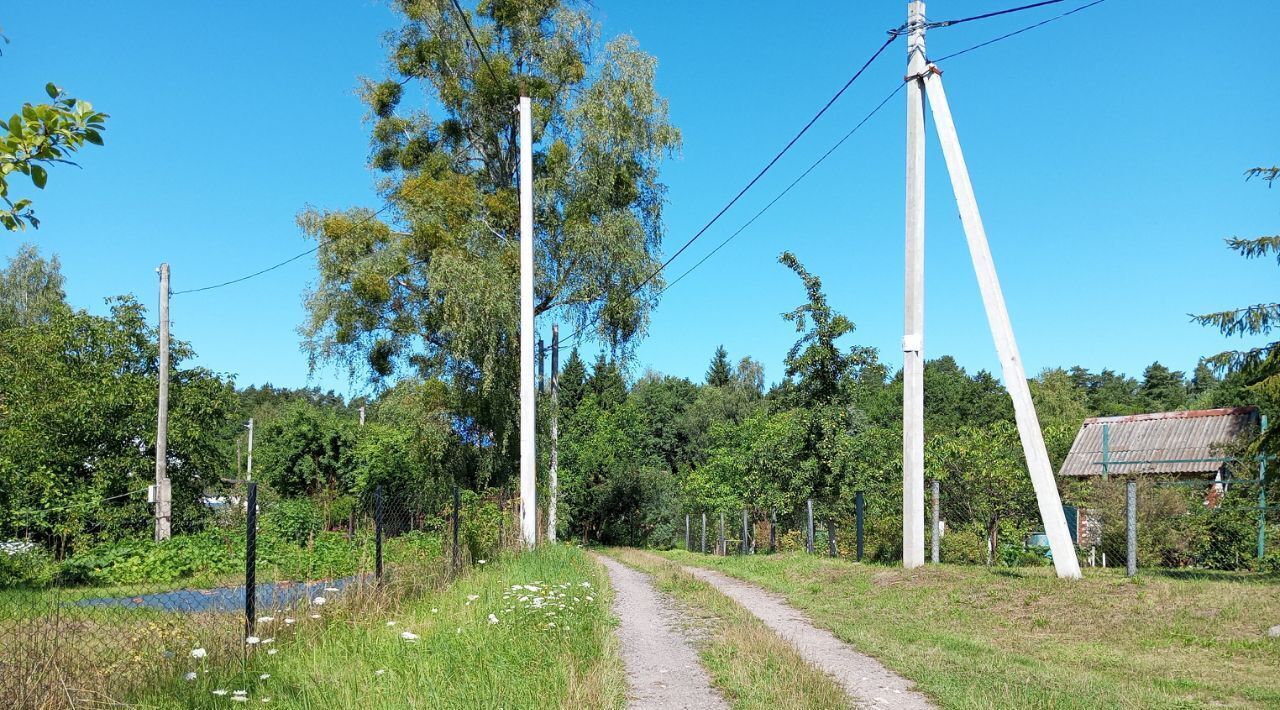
(1106, 452)
(743, 547)
(720, 546)
(832, 549)
(251, 561)
(1262, 499)
(163, 498)
(913, 317)
(1014, 374)
(1131, 526)
(859, 508)
(377, 533)
(528, 414)
(773, 530)
(704, 532)
(808, 545)
(688, 544)
(553, 463)
(457, 507)
(937, 527)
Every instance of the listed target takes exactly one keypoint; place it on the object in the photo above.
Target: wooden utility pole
(528, 433)
(1014, 375)
(163, 494)
(913, 311)
(553, 464)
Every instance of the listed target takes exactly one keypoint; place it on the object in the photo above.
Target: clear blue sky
(1107, 151)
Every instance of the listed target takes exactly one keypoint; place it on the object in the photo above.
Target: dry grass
(750, 664)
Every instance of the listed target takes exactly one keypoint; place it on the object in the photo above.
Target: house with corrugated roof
(1184, 445)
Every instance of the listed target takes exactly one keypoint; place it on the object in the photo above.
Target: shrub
(964, 547)
(293, 519)
(25, 564)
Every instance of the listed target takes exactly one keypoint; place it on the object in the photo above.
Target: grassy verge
(978, 638)
(547, 647)
(747, 661)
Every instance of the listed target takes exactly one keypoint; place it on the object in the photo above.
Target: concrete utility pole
(163, 494)
(1014, 375)
(248, 471)
(553, 467)
(528, 432)
(913, 315)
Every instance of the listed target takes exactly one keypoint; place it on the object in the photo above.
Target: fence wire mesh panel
(88, 621)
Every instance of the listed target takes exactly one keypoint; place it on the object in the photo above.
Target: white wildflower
(189, 675)
(219, 691)
(198, 653)
(272, 651)
(380, 671)
(472, 597)
(264, 676)
(314, 616)
(493, 619)
(408, 636)
(551, 624)
(253, 640)
(481, 561)
(332, 589)
(435, 610)
(266, 619)
(239, 699)
(289, 619)
(318, 601)
(391, 623)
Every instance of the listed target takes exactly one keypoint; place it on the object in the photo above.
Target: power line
(893, 35)
(577, 333)
(290, 260)
(476, 42)
(1015, 33)
(782, 194)
(949, 23)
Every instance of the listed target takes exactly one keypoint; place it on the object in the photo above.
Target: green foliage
(429, 286)
(26, 566)
(963, 547)
(77, 428)
(31, 289)
(306, 450)
(38, 136)
(720, 372)
(294, 519)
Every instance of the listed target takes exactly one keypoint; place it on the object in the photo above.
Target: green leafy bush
(293, 519)
(963, 547)
(25, 565)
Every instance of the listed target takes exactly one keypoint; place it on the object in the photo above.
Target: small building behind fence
(1183, 445)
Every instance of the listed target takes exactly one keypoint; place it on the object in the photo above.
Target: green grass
(459, 660)
(750, 664)
(978, 638)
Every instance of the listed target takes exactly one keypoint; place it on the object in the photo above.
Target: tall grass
(547, 647)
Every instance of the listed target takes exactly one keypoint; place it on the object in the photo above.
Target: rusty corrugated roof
(1159, 436)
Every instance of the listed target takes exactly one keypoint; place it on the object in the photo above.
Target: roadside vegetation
(974, 637)
(748, 662)
(531, 631)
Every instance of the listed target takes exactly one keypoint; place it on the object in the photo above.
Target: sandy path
(866, 681)
(662, 668)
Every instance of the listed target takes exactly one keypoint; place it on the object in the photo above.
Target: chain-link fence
(1178, 527)
(92, 627)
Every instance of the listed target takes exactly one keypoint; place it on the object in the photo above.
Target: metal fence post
(1131, 525)
(457, 552)
(704, 532)
(937, 538)
(720, 546)
(832, 550)
(377, 533)
(1262, 499)
(251, 560)
(743, 546)
(688, 547)
(773, 530)
(858, 508)
(808, 545)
